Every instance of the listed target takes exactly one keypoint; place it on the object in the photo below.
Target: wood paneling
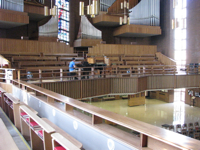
(86, 42)
(137, 31)
(142, 83)
(14, 16)
(34, 9)
(96, 87)
(124, 85)
(71, 89)
(123, 49)
(12, 45)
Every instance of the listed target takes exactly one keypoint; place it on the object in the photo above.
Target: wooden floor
(154, 112)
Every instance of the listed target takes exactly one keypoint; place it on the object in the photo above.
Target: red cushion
(40, 133)
(33, 124)
(59, 148)
(23, 114)
(27, 120)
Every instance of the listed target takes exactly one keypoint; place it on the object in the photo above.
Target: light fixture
(46, 10)
(53, 11)
(125, 19)
(92, 8)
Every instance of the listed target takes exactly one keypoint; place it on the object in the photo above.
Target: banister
(162, 135)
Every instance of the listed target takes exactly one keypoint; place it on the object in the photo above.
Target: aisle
(17, 137)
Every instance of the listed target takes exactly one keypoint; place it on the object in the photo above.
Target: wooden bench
(64, 134)
(116, 62)
(36, 58)
(70, 58)
(61, 54)
(59, 141)
(2, 91)
(113, 58)
(41, 63)
(137, 58)
(35, 129)
(6, 141)
(142, 62)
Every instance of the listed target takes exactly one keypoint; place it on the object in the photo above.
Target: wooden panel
(133, 30)
(160, 82)
(34, 9)
(65, 88)
(158, 145)
(123, 49)
(142, 84)
(13, 45)
(14, 16)
(188, 81)
(164, 59)
(124, 85)
(86, 42)
(95, 87)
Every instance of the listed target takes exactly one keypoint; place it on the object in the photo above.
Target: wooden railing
(62, 73)
(164, 59)
(150, 136)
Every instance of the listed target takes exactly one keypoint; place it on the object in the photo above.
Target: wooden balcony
(105, 20)
(137, 31)
(10, 18)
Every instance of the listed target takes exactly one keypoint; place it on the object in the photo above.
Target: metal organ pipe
(147, 12)
(16, 5)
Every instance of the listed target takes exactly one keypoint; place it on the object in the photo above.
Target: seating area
(191, 129)
(26, 59)
(41, 133)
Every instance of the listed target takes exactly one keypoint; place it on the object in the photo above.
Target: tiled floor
(154, 112)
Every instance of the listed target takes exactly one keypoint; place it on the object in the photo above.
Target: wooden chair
(184, 126)
(196, 124)
(184, 131)
(178, 127)
(171, 127)
(190, 132)
(190, 125)
(196, 135)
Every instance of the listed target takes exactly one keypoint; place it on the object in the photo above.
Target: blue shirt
(71, 66)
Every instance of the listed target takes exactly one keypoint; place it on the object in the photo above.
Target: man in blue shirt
(72, 65)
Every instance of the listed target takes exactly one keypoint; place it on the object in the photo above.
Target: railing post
(40, 74)
(79, 73)
(61, 74)
(92, 72)
(18, 74)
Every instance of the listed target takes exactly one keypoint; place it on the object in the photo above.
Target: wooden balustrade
(152, 134)
(164, 59)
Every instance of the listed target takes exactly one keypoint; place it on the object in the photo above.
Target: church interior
(99, 75)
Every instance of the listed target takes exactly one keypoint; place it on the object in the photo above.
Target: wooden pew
(70, 58)
(11, 108)
(142, 62)
(61, 54)
(2, 91)
(41, 63)
(64, 134)
(35, 58)
(138, 58)
(116, 62)
(35, 129)
(59, 141)
(6, 141)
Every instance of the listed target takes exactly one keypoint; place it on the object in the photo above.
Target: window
(63, 20)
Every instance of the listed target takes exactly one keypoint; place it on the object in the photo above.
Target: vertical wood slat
(15, 45)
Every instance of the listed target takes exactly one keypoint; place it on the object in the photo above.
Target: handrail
(43, 73)
(164, 59)
(170, 138)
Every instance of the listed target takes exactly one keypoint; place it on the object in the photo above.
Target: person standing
(72, 65)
